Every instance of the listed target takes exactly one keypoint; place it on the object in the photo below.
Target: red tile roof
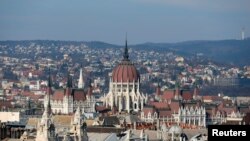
(5, 104)
(175, 105)
(27, 93)
(229, 110)
(165, 113)
(79, 95)
(160, 105)
(167, 95)
(146, 110)
(58, 95)
(67, 91)
(101, 108)
(213, 98)
(246, 118)
(36, 97)
(187, 95)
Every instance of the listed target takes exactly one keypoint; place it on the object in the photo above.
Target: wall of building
(9, 116)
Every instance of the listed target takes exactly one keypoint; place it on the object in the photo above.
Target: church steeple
(80, 80)
(69, 82)
(49, 93)
(49, 81)
(125, 55)
(69, 86)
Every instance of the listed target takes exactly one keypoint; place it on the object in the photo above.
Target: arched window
(155, 115)
(149, 115)
(135, 106)
(142, 115)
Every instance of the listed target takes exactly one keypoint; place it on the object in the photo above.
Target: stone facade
(124, 87)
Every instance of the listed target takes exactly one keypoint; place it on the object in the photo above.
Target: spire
(69, 86)
(77, 116)
(80, 81)
(49, 93)
(69, 82)
(49, 106)
(49, 81)
(125, 55)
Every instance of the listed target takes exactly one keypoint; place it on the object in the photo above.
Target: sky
(165, 21)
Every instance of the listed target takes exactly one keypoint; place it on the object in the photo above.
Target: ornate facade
(195, 116)
(46, 128)
(174, 133)
(67, 100)
(176, 106)
(124, 87)
(79, 127)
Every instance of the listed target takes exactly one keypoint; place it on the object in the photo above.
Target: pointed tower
(46, 128)
(48, 92)
(124, 87)
(79, 126)
(80, 80)
(68, 86)
(68, 98)
(125, 54)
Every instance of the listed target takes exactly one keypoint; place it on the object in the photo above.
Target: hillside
(225, 51)
(235, 52)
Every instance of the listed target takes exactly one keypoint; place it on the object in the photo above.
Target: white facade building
(189, 115)
(67, 100)
(124, 87)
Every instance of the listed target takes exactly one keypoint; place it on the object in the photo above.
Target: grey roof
(111, 121)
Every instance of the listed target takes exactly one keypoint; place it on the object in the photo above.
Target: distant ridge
(236, 52)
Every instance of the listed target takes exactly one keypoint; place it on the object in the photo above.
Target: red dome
(125, 72)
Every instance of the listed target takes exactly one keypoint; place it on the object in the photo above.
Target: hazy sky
(109, 20)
